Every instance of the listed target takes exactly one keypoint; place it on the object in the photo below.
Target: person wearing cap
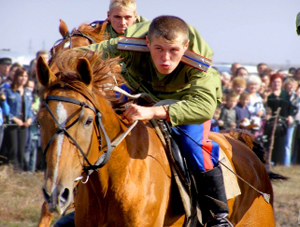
(162, 60)
(5, 64)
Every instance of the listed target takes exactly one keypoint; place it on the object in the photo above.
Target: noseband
(102, 160)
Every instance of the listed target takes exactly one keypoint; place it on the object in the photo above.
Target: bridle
(61, 129)
(69, 36)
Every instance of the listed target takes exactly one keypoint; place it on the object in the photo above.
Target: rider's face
(121, 18)
(166, 55)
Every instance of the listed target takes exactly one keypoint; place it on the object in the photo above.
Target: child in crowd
(214, 121)
(238, 85)
(243, 114)
(228, 114)
(224, 95)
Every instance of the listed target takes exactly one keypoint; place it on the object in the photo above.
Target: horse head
(69, 119)
(86, 34)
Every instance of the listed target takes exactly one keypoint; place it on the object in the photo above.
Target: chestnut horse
(134, 187)
(86, 34)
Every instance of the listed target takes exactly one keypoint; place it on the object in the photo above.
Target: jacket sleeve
(199, 106)
(5, 107)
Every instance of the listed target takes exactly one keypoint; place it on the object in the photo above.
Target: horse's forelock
(104, 71)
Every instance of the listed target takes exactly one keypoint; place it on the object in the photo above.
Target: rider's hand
(135, 112)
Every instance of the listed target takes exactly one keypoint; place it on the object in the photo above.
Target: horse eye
(89, 121)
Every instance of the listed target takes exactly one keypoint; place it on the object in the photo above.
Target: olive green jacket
(199, 92)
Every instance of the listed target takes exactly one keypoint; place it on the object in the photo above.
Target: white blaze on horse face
(61, 118)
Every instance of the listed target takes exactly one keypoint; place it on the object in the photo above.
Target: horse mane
(249, 139)
(105, 71)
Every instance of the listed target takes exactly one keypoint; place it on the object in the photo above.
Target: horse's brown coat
(134, 188)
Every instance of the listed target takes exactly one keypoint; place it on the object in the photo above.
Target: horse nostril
(64, 196)
(46, 196)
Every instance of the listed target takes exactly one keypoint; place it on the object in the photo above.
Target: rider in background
(159, 66)
(121, 14)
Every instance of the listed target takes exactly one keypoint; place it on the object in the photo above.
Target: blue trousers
(201, 153)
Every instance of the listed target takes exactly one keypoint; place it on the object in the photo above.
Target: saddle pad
(230, 179)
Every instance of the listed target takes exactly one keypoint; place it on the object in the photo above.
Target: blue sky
(237, 30)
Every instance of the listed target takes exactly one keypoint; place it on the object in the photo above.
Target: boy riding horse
(165, 69)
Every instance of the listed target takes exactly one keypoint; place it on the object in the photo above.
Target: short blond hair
(127, 4)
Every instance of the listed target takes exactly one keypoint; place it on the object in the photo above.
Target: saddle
(183, 176)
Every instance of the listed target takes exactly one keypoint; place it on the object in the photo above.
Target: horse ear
(45, 75)
(63, 28)
(84, 71)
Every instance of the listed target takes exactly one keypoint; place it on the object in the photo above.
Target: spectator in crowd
(234, 67)
(226, 82)
(228, 115)
(256, 105)
(214, 121)
(242, 72)
(223, 102)
(279, 98)
(238, 85)
(19, 101)
(5, 64)
(292, 71)
(266, 79)
(32, 70)
(295, 160)
(4, 111)
(32, 137)
(242, 113)
(261, 67)
(11, 74)
(297, 75)
(289, 86)
(264, 91)
(268, 71)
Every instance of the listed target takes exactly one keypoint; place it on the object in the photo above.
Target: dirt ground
(21, 197)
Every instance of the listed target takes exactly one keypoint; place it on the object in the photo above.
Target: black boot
(212, 198)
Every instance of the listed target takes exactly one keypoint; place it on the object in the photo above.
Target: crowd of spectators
(250, 102)
(19, 103)
(267, 104)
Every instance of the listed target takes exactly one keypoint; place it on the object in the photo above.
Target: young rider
(159, 63)
(121, 14)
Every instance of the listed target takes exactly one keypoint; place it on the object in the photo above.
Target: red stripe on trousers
(207, 146)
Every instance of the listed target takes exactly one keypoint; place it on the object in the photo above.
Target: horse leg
(46, 216)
